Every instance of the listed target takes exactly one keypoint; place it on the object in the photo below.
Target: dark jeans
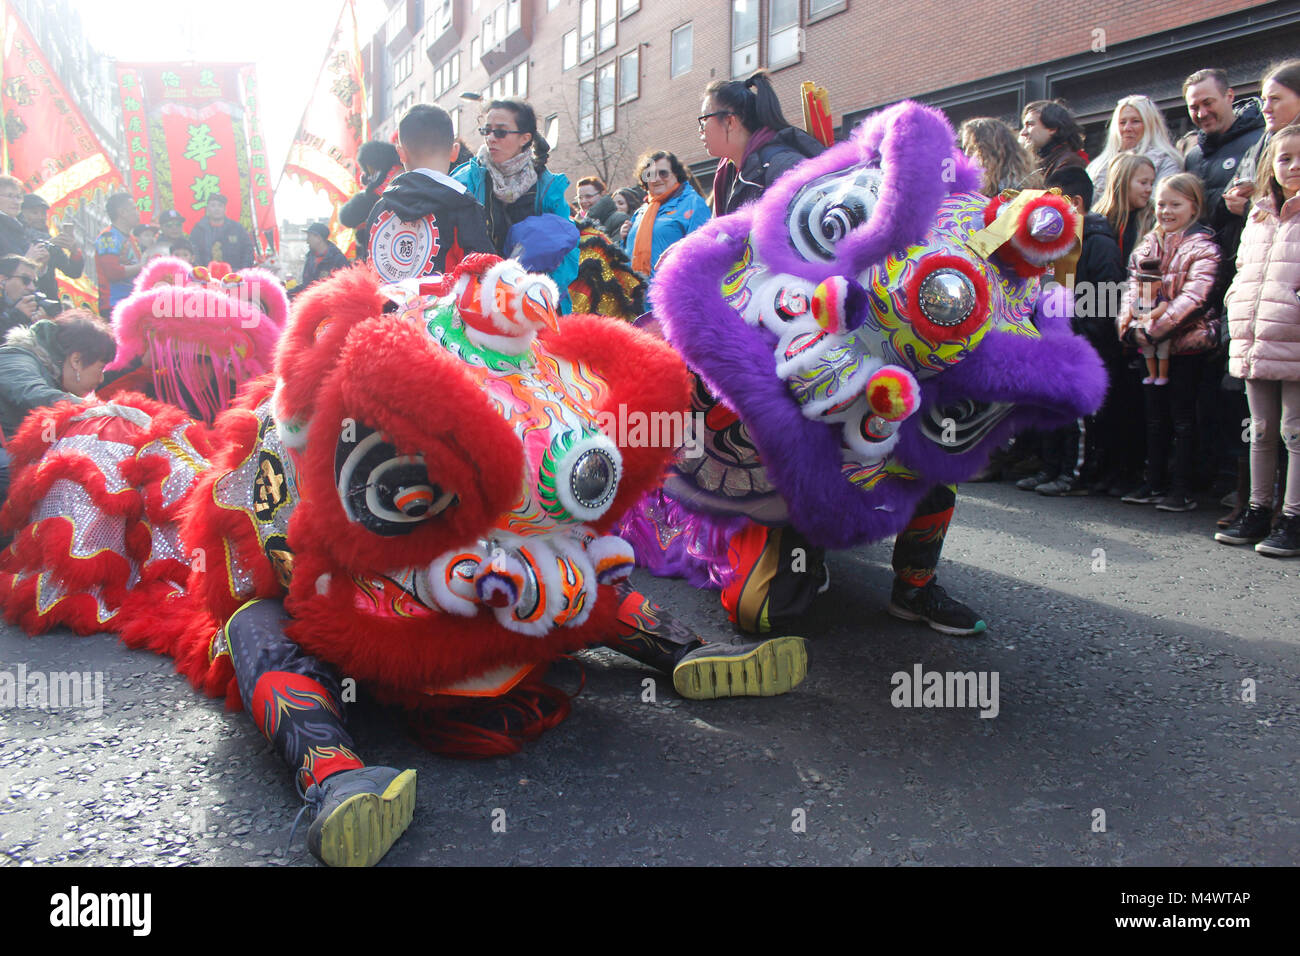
(1171, 415)
(1120, 437)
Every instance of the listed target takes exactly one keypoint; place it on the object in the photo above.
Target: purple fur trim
(914, 146)
(697, 544)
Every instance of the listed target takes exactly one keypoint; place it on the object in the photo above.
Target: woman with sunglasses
(741, 123)
(674, 208)
(509, 177)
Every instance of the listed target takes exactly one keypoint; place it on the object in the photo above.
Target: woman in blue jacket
(674, 208)
(512, 181)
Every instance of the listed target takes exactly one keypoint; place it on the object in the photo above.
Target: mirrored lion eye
(386, 493)
(838, 222)
(946, 297)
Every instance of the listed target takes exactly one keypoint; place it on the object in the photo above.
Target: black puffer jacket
(31, 371)
(762, 168)
(1216, 159)
(1100, 265)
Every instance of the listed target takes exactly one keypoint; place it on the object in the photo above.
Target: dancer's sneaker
(359, 814)
(932, 605)
(762, 669)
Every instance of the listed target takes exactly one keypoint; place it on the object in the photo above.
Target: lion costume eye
(386, 493)
(826, 210)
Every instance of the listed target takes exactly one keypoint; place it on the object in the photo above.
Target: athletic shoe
(932, 605)
(1284, 541)
(1251, 525)
(1146, 495)
(1033, 481)
(359, 814)
(1177, 501)
(763, 669)
(1064, 487)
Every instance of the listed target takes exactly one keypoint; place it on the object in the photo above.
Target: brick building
(611, 78)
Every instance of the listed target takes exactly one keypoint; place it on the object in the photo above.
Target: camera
(51, 307)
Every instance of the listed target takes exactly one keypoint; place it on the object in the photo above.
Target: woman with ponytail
(509, 177)
(741, 123)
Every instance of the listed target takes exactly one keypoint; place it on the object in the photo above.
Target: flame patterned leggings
(778, 574)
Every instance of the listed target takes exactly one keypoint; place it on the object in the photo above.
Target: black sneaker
(1251, 525)
(1033, 481)
(1146, 495)
(1066, 486)
(359, 814)
(763, 669)
(1176, 501)
(1284, 541)
(932, 605)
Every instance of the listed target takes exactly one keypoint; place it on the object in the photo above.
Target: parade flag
(190, 136)
(46, 141)
(333, 127)
(260, 190)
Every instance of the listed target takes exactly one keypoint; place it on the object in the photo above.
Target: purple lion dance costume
(863, 336)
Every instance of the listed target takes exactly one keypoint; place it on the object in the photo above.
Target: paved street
(1120, 689)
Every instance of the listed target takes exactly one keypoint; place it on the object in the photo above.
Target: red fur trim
(493, 727)
(392, 377)
(320, 322)
(1036, 251)
(645, 375)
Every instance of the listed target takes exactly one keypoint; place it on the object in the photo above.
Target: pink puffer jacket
(1189, 262)
(1263, 308)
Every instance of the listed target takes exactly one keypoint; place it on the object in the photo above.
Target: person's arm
(1197, 286)
(114, 271)
(356, 210)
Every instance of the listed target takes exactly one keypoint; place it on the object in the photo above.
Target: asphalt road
(1120, 685)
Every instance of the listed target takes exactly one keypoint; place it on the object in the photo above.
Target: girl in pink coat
(1264, 320)
(1187, 259)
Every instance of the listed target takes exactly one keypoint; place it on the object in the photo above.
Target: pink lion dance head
(201, 337)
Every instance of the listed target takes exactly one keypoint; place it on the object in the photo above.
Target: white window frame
(676, 69)
(634, 55)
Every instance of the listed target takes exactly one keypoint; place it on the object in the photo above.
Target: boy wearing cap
(425, 222)
(323, 256)
(217, 238)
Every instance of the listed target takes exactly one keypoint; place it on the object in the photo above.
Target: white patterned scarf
(510, 179)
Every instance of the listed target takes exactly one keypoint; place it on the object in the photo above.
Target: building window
(605, 97)
(446, 76)
(744, 37)
(439, 21)
(455, 121)
(570, 49)
(553, 130)
(783, 33)
(608, 25)
(552, 4)
(521, 80)
(587, 108)
(586, 30)
(629, 76)
(514, 12)
(476, 49)
(819, 8)
(628, 7)
(683, 50)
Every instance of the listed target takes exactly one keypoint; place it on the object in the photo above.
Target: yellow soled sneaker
(359, 814)
(762, 669)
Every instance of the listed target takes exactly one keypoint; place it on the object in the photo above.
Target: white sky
(285, 38)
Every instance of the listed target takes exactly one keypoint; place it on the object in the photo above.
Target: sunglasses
(28, 281)
(655, 174)
(486, 131)
(705, 118)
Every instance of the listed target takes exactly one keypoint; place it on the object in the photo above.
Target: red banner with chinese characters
(47, 143)
(136, 127)
(324, 152)
(263, 197)
(199, 141)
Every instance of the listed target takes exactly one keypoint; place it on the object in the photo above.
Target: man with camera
(18, 305)
(63, 250)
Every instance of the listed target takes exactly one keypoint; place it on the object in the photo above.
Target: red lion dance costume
(417, 498)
